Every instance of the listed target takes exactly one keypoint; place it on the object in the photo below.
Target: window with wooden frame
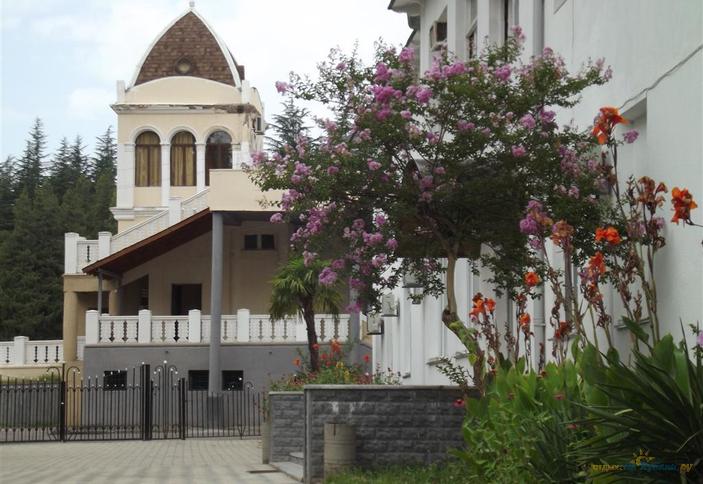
(147, 160)
(218, 153)
(183, 159)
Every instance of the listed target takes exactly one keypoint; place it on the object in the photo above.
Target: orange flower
(524, 320)
(490, 305)
(610, 234)
(532, 279)
(296, 362)
(597, 263)
(478, 305)
(335, 346)
(561, 233)
(683, 204)
(604, 123)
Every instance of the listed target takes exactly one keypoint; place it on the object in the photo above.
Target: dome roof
(189, 47)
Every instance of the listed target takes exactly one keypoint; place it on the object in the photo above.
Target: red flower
(596, 263)
(610, 235)
(524, 320)
(532, 279)
(604, 123)
(335, 346)
(490, 305)
(366, 358)
(316, 346)
(458, 403)
(683, 204)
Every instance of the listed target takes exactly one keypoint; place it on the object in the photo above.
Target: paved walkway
(158, 461)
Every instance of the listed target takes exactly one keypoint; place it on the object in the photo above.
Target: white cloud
(88, 103)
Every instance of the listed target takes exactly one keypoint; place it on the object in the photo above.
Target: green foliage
(334, 370)
(527, 420)
(654, 405)
(37, 206)
(288, 127)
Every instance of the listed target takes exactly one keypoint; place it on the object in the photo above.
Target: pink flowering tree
(416, 170)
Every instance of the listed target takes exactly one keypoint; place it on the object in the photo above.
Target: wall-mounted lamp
(374, 323)
(389, 306)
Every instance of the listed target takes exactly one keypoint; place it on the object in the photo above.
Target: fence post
(242, 325)
(194, 335)
(182, 424)
(92, 327)
(62, 409)
(147, 389)
(144, 327)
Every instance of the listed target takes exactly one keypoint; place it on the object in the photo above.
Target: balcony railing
(24, 352)
(242, 327)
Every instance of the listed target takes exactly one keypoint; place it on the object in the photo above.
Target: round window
(184, 66)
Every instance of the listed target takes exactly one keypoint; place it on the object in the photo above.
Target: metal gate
(141, 403)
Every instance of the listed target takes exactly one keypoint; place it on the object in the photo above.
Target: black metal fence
(142, 403)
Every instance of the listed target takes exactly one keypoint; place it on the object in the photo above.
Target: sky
(60, 59)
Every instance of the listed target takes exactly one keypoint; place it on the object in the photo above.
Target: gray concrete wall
(287, 417)
(394, 424)
(261, 363)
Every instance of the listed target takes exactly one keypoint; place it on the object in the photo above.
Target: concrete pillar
(70, 254)
(214, 385)
(113, 304)
(194, 335)
(174, 211)
(354, 330)
(144, 328)
(70, 325)
(125, 175)
(531, 15)
(200, 166)
(20, 344)
(104, 239)
(416, 350)
(242, 325)
(92, 330)
(457, 16)
(165, 174)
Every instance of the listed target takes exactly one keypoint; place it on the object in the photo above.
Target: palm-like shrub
(296, 289)
(654, 405)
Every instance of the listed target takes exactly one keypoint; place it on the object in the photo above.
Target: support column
(125, 175)
(70, 326)
(200, 166)
(70, 254)
(214, 386)
(113, 304)
(165, 174)
(354, 329)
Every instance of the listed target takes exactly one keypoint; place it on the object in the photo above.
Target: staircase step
(297, 458)
(292, 470)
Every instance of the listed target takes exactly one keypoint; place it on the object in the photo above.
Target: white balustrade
(118, 329)
(88, 252)
(25, 352)
(140, 231)
(196, 203)
(195, 328)
(169, 329)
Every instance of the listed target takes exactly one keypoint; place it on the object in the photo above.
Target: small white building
(655, 49)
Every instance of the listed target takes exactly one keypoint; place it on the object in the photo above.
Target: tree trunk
(313, 348)
(451, 296)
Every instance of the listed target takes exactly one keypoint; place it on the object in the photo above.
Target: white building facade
(656, 52)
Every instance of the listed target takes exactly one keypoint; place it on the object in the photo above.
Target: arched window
(182, 160)
(218, 153)
(147, 160)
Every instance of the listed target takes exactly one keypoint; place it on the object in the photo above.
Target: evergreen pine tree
(29, 166)
(287, 127)
(30, 269)
(7, 195)
(61, 174)
(103, 176)
(105, 158)
(77, 159)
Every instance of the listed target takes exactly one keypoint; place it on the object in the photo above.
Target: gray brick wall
(287, 424)
(394, 424)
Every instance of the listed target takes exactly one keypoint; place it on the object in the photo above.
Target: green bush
(449, 472)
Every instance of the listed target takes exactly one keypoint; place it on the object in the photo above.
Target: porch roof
(168, 239)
